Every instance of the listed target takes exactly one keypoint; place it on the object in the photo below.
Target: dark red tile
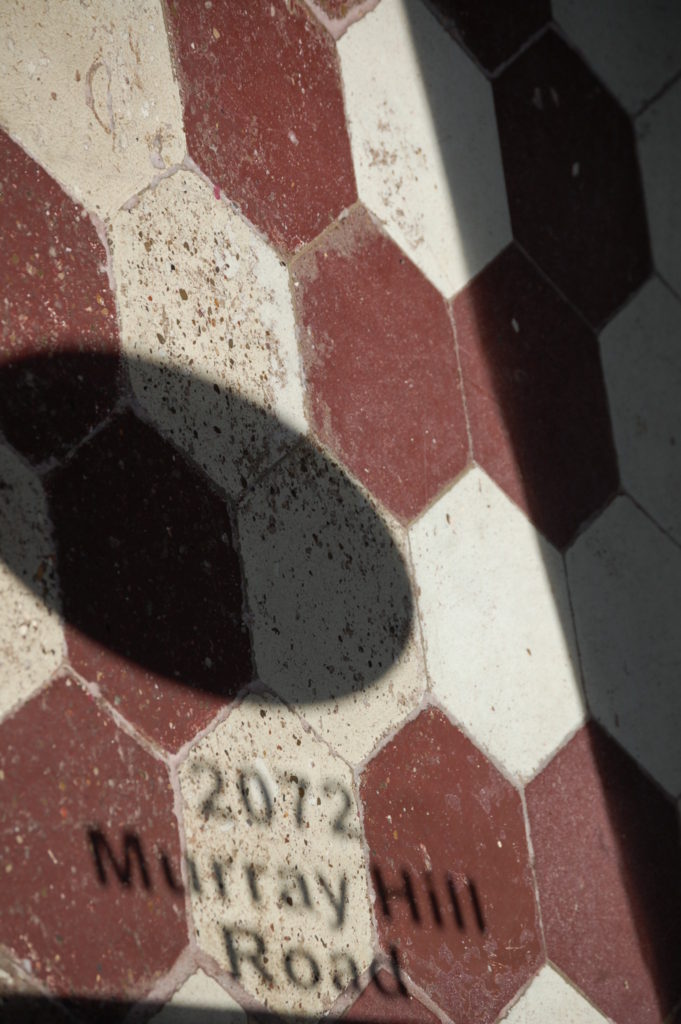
(451, 870)
(150, 581)
(386, 998)
(380, 362)
(608, 865)
(263, 113)
(55, 297)
(492, 30)
(72, 783)
(535, 396)
(572, 177)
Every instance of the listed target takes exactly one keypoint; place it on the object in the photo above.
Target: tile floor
(340, 364)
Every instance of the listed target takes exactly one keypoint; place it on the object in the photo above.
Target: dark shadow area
(149, 556)
(527, 331)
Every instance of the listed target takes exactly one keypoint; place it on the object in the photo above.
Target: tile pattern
(572, 177)
(607, 858)
(105, 912)
(132, 522)
(285, 162)
(536, 401)
(286, 606)
(424, 142)
(380, 365)
(92, 97)
(55, 296)
(450, 866)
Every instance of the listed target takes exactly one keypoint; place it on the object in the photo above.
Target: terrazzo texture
(339, 655)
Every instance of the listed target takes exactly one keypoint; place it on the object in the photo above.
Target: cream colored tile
(550, 998)
(201, 1001)
(207, 322)
(89, 91)
(424, 141)
(658, 131)
(633, 45)
(641, 355)
(31, 637)
(625, 585)
(334, 624)
(496, 624)
(278, 884)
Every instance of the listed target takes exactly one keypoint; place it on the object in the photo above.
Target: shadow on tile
(172, 590)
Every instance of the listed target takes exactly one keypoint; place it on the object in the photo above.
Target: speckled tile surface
(340, 355)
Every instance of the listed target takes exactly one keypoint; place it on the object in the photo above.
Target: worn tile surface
(278, 882)
(89, 906)
(450, 867)
(208, 327)
(89, 91)
(270, 131)
(424, 141)
(338, 415)
(56, 301)
(380, 365)
(607, 857)
(506, 670)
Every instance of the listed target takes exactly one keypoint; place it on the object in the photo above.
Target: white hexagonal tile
(496, 624)
(633, 45)
(550, 998)
(207, 321)
(278, 883)
(424, 141)
(88, 90)
(641, 355)
(333, 619)
(200, 1000)
(658, 131)
(31, 638)
(625, 585)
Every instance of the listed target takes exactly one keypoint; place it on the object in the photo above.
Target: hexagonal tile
(90, 846)
(634, 46)
(496, 623)
(55, 298)
(333, 618)
(641, 351)
(286, 163)
(31, 637)
(150, 581)
(607, 859)
(206, 317)
(279, 889)
(451, 870)
(574, 188)
(490, 29)
(625, 585)
(549, 997)
(90, 92)
(535, 396)
(424, 142)
(380, 363)
(386, 998)
(200, 998)
(657, 129)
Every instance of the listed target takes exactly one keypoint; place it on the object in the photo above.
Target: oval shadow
(170, 584)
